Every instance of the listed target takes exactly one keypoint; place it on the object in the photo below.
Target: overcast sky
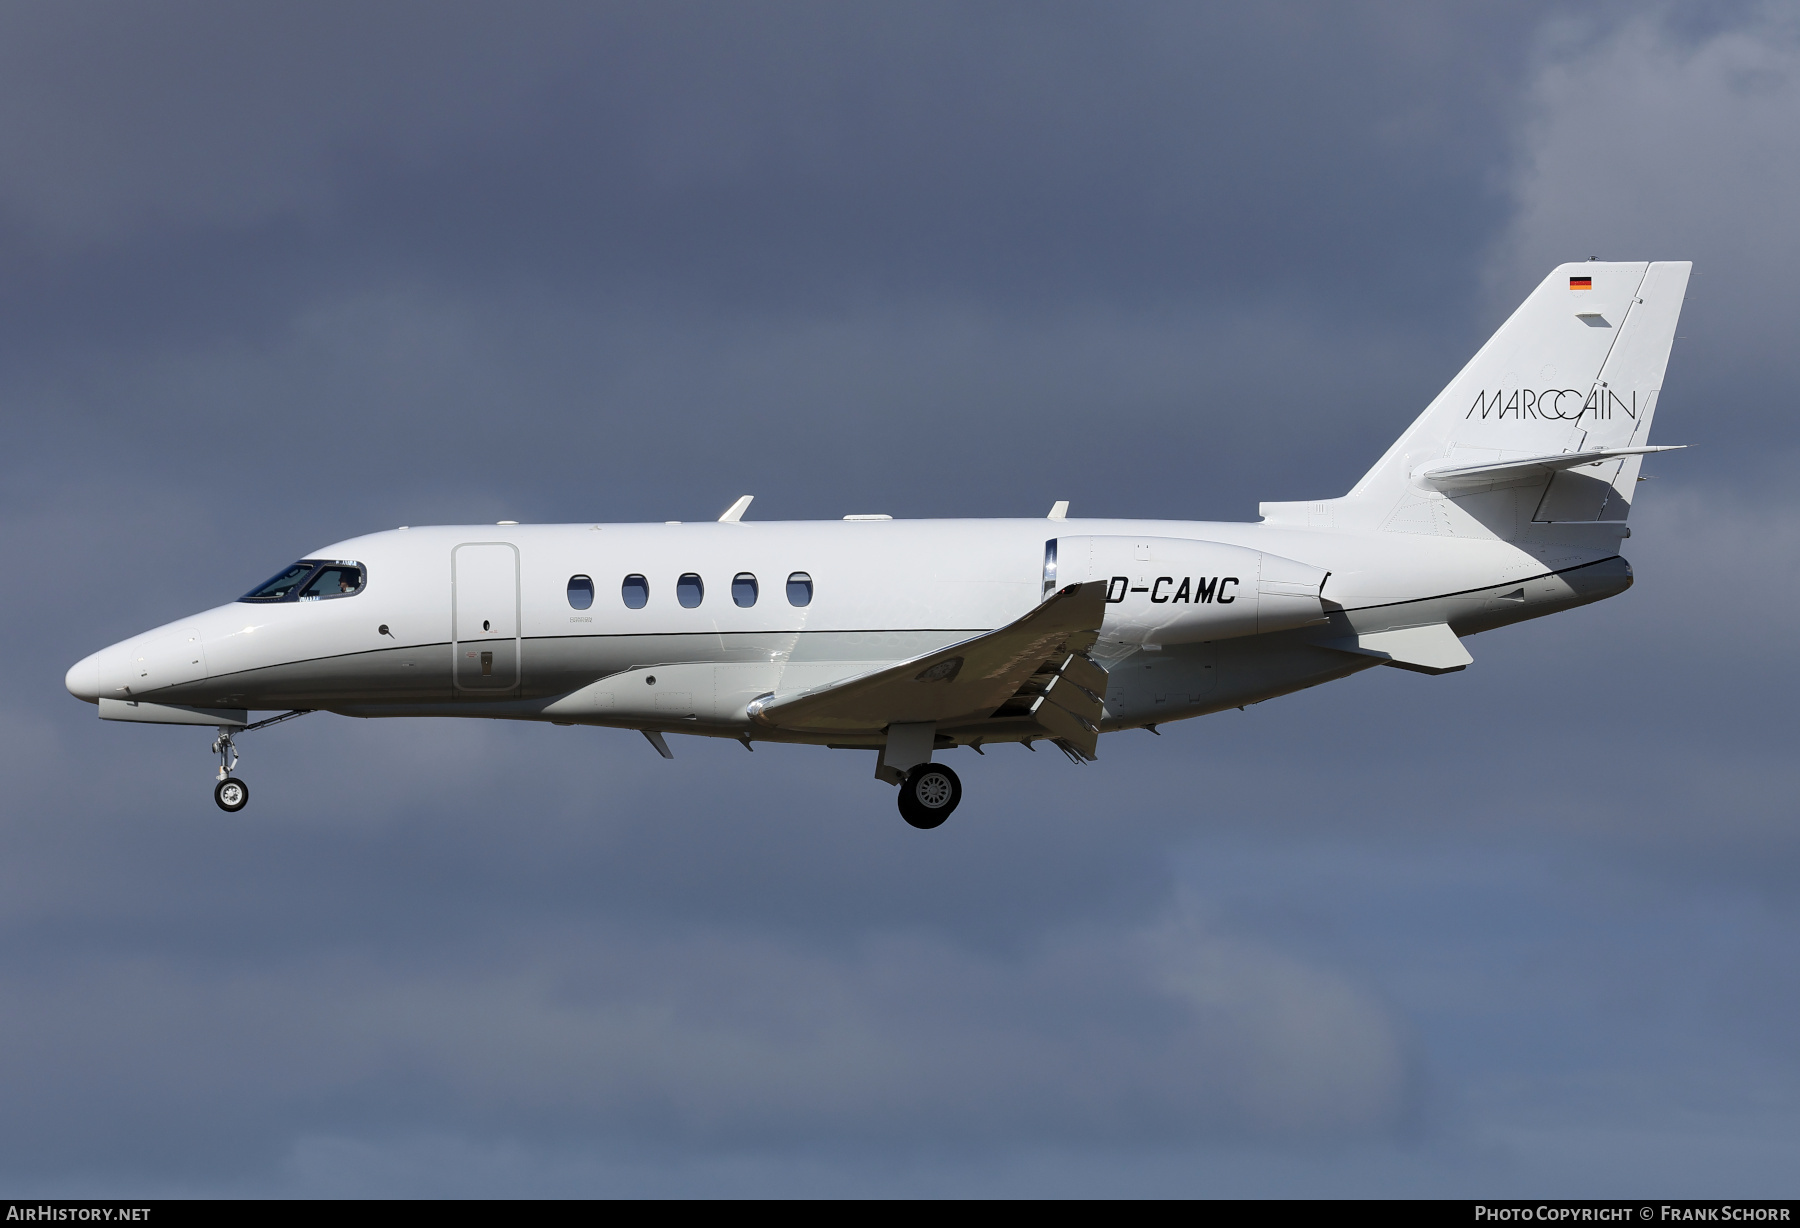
(273, 277)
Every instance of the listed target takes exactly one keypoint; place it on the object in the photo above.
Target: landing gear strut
(231, 793)
(928, 794)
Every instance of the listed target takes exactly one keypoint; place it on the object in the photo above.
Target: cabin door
(484, 615)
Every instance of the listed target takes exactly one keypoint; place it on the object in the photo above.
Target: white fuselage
(475, 620)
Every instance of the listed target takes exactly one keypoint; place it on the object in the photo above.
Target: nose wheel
(928, 794)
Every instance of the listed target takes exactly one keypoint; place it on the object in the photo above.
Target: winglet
(736, 511)
(656, 740)
(1059, 510)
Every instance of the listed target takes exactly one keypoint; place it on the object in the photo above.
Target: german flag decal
(1581, 283)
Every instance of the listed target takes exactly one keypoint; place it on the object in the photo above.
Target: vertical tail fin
(1576, 368)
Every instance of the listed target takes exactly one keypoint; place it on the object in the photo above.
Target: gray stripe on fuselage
(554, 665)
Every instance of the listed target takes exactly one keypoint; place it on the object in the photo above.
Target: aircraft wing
(965, 682)
(1451, 477)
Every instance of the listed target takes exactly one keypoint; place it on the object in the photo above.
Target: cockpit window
(282, 587)
(334, 580)
(310, 580)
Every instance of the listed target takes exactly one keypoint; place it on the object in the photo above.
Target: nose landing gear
(929, 792)
(231, 793)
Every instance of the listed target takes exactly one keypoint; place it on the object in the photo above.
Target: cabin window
(283, 586)
(689, 590)
(743, 589)
(334, 580)
(581, 592)
(799, 589)
(636, 591)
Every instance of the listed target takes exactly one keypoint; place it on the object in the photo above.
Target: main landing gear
(928, 793)
(231, 793)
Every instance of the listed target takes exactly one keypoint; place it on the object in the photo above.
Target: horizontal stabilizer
(965, 681)
(1426, 650)
(1449, 476)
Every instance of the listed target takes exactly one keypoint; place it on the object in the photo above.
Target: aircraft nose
(83, 678)
(96, 674)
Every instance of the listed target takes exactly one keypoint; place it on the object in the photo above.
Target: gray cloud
(741, 157)
(703, 1039)
(1649, 137)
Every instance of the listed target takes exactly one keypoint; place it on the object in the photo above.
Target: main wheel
(232, 794)
(928, 795)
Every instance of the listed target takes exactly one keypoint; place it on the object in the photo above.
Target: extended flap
(965, 681)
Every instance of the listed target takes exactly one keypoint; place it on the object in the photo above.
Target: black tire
(928, 795)
(232, 794)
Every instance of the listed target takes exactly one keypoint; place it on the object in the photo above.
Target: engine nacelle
(1169, 590)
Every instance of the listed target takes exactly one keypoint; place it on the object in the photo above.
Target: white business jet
(1505, 500)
